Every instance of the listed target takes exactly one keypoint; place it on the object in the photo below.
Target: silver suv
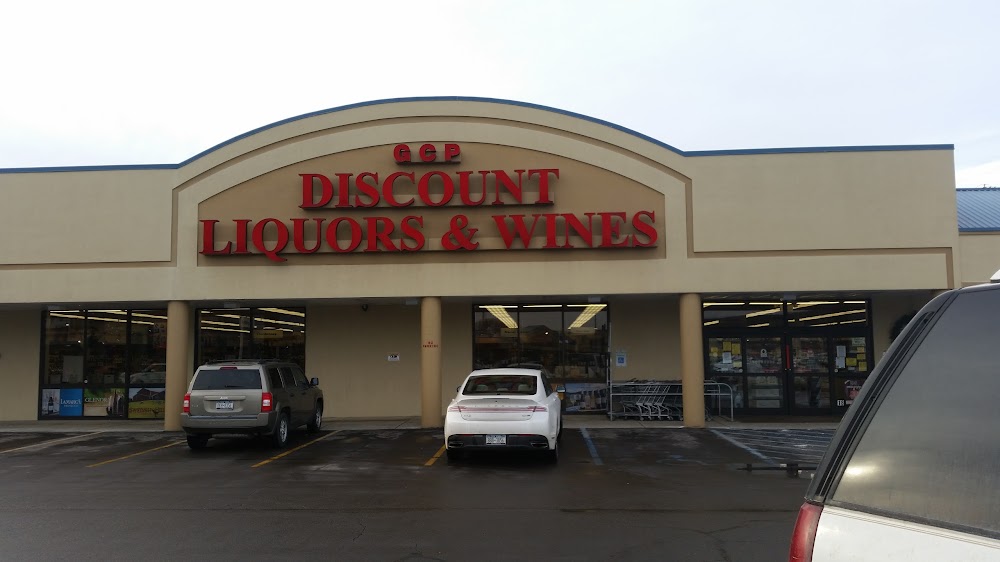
(255, 397)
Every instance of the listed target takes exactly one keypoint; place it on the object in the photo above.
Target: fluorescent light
(542, 306)
(832, 314)
(587, 314)
(711, 323)
(763, 312)
(501, 314)
(708, 304)
(283, 311)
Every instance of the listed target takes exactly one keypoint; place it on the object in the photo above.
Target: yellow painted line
(436, 456)
(290, 451)
(135, 454)
(43, 443)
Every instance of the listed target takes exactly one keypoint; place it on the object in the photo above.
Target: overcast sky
(104, 83)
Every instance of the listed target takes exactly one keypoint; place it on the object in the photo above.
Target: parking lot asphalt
(617, 493)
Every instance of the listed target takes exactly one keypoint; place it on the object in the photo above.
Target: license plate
(496, 439)
(224, 405)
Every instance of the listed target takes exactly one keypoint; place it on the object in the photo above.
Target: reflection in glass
(812, 392)
(809, 355)
(107, 337)
(765, 391)
(280, 333)
(817, 314)
(743, 314)
(64, 347)
(568, 341)
(764, 355)
(224, 334)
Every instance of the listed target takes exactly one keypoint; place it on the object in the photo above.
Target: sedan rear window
(502, 384)
(227, 379)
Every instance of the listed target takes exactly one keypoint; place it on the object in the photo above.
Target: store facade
(390, 247)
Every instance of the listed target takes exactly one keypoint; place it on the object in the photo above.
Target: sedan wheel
(552, 455)
(280, 437)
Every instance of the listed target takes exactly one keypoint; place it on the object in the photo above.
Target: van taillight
(187, 403)
(804, 534)
(266, 402)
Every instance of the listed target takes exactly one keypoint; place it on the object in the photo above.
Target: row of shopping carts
(664, 400)
(650, 400)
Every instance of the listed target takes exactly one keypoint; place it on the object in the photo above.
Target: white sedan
(504, 409)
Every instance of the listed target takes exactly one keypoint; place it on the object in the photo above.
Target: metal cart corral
(663, 400)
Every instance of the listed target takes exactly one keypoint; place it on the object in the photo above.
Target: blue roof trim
(983, 229)
(482, 100)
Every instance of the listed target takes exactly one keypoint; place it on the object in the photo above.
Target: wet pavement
(617, 493)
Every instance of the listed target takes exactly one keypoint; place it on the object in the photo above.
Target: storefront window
(539, 331)
(258, 333)
(824, 314)
(91, 359)
(569, 341)
(496, 342)
(64, 335)
(280, 333)
(148, 358)
(757, 315)
(224, 334)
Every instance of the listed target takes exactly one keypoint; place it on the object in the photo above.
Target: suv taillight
(266, 402)
(187, 403)
(804, 534)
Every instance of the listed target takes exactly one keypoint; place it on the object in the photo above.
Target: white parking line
(746, 448)
(44, 443)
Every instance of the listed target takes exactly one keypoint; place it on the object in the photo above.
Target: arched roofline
(695, 153)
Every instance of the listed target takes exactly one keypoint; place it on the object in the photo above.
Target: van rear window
(227, 379)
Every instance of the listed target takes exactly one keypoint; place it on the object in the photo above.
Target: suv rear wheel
(197, 442)
(280, 437)
(317, 419)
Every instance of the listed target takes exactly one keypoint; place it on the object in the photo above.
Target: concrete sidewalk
(569, 421)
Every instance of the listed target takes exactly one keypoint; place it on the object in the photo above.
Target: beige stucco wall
(115, 216)
(889, 307)
(20, 343)
(648, 331)
(980, 257)
(875, 220)
(348, 349)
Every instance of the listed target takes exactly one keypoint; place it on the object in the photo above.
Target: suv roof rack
(247, 361)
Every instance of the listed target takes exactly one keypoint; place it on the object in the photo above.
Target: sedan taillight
(804, 534)
(454, 409)
(266, 402)
(187, 403)
(539, 409)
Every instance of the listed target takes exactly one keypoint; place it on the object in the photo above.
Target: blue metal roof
(978, 209)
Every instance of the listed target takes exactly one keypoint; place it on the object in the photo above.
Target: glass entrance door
(809, 374)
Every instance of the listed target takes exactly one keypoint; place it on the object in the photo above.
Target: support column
(179, 339)
(430, 362)
(692, 361)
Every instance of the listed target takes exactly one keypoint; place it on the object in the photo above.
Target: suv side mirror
(314, 381)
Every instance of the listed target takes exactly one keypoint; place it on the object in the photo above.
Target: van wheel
(317, 419)
(197, 442)
(280, 437)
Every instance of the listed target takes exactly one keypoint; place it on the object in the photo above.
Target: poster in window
(71, 402)
(104, 402)
(146, 403)
(586, 397)
(50, 402)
